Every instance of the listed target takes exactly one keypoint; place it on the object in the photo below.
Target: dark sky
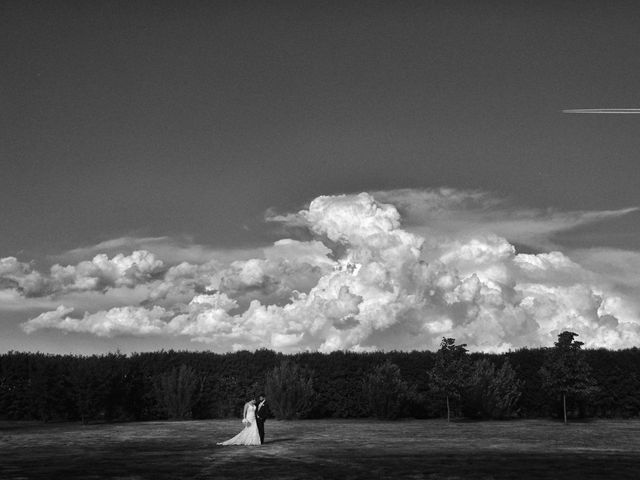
(125, 121)
(192, 118)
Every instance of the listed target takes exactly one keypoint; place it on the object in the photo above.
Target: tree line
(563, 381)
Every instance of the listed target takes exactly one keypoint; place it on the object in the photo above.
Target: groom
(262, 413)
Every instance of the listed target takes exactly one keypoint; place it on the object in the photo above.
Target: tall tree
(176, 391)
(491, 392)
(88, 387)
(504, 392)
(565, 371)
(386, 392)
(449, 371)
(289, 388)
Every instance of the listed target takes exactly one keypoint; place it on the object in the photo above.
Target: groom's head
(262, 397)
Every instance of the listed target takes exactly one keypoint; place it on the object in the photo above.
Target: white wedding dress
(250, 434)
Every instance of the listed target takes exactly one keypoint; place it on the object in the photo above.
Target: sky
(318, 176)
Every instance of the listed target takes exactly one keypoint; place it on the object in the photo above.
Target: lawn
(315, 449)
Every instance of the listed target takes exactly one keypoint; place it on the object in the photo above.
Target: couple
(253, 418)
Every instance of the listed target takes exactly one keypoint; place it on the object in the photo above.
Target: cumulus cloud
(102, 272)
(116, 321)
(389, 270)
(13, 300)
(171, 250)
(22, 277)
(271, 273)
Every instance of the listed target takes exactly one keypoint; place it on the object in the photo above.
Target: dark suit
(262, 413)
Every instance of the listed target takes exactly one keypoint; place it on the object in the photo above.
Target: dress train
(249, 435)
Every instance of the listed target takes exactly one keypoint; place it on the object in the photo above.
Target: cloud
(446, 212)
(171, 251)
(102, 272)
(286, 267)
(99, 273)
(267, 281)
(619, 267)
(374, 276)
(13, 300)
(10, 266)
(140, 276)
(101, 282)
(21, 277)
(51, 319)
(116, 321)
(580, 309)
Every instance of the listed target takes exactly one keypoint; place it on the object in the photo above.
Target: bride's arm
(244, 412)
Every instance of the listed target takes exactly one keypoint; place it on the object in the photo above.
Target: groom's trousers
(260, 422)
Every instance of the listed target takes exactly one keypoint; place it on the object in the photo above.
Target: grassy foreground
(317, 449)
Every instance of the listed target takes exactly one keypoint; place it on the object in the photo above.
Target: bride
(249, 435)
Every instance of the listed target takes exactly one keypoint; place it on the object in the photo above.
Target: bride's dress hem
(249, 435)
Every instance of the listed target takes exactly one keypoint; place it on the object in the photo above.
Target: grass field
(315, 449)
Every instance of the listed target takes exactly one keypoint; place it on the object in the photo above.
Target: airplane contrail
(603, 110)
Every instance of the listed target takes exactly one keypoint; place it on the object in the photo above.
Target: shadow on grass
(279, 440)
(344, 449)
(351, 463)
(431, 466)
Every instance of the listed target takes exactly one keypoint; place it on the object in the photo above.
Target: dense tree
(527, 363)
(565, 371)
(289, 388)
(491, 392)
(116, 387)
(176, 391)
(89, 389)
(14, 386)
(387, 394)
(617, 374)
(448, 375)
(50, 393)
